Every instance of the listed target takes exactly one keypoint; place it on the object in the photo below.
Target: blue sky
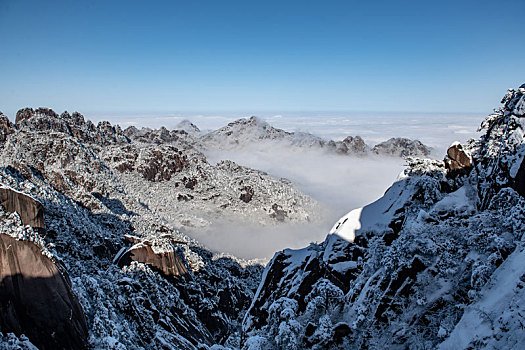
(249, 56)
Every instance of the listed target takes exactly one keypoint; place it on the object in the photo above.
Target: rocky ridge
(249, 131)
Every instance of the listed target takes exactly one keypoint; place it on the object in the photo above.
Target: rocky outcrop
(36, 298)
(162, 258)
(350, 145)
(401, 147)
(30, 210)
(46, 120)
(6, 128)
(458, 160)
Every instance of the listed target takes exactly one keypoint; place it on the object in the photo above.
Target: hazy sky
(248, 56)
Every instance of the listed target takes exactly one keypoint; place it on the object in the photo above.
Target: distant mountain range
(253, 131)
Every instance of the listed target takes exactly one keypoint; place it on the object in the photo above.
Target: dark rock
(519, 180)
(310, 329)
(190, 183)
(36, 299)
(247, 194)
(278, 213)
(354, 145)
(161, 164)
(341, 330)
(30, 210)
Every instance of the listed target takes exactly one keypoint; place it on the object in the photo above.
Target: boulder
(458, 160)
(166, 261)
(36, 299)
(30, 210)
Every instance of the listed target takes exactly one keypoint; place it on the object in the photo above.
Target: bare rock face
(37, 300)
(30, 210)
(164, 259)
(457, 160)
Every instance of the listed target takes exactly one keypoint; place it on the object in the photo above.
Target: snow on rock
(254, 131)
(71, 167)
(166, 259)
(438, 256)
(497, 318)
(188, 127)
(402, 147)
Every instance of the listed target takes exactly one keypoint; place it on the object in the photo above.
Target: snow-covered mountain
(113, 204)
(253, 131)
(90, 219)
(436, 262)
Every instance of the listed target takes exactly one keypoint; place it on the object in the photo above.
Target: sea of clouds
(339, 183)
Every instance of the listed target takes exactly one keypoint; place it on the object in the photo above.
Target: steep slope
(439, 246)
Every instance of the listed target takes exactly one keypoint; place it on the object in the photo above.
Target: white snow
(498, 313)
(376, 215)
(462, 201)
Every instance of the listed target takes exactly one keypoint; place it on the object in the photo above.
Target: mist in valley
(339, 183)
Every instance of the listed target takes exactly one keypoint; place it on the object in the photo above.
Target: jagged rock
(401, 147)
(30, 210)
(156, 136)
(36, 298)
(166, 259)
(6, 128)
(23, 114)
(46, 120)
(458, 161)
(159, 165)
(352, 145)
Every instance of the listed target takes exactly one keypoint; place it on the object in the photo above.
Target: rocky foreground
(91, 256)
